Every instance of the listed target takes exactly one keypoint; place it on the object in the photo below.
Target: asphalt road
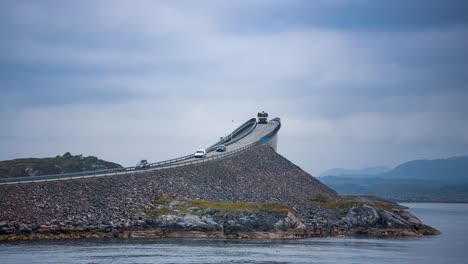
(255, 135)
(260, 131)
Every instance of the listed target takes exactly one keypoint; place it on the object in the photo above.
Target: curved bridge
(246, 136)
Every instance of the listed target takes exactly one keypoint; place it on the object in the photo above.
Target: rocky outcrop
(108, 205)
(181, 218)
(365, 219)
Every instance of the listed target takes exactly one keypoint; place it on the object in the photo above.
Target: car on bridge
(220, 148)
(201, 153)
(143, 164)
(262, 117)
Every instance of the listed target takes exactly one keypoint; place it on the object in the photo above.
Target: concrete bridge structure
(246, 136)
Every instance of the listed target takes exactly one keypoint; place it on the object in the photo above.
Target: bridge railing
(235, 137)
(226, 154)
(173, 163)
(272, 133)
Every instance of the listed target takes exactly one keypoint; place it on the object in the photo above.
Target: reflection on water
(450, 247)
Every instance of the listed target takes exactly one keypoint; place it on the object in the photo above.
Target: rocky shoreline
(168, 218)
(255, 194)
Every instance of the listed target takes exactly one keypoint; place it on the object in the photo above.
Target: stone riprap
(109, 206)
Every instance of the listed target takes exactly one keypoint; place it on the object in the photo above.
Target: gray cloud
(155, 80)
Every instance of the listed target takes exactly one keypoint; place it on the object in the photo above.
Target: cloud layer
(356, 84)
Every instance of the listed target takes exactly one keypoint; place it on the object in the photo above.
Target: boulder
(7, 230)
(25, 230)
(166, 221)
(392, 220)
(290, 224)
(362, 215)
(194, 223)
(410, 218)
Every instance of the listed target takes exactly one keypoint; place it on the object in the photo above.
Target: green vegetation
(346, 205)
(239, 206)
(318, 198)
(158, 212)
(59, 164)
(162, 201)
(340, 206)
(161, 206)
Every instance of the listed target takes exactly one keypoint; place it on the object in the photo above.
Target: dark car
(220, 148)
(143, 164)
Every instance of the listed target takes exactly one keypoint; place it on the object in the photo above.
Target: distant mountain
(441, 180)
(45, 166)
(451, 169)
(357, 172)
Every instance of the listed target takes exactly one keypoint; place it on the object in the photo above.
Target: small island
(254, 194)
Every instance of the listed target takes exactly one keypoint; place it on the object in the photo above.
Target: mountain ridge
(364, 171)
(441, 180)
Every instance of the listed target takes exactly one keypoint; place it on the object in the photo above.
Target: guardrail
(243, 135)
(172, 163)
(251, 122)
(277, 119)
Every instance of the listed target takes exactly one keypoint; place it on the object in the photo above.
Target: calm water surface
(450, 247)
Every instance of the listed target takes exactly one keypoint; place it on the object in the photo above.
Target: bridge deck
(260, 131)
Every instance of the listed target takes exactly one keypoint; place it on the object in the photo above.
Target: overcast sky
(355, 83)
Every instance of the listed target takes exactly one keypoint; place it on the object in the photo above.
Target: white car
(201, 153)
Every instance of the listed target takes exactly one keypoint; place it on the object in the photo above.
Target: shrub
(319, 198)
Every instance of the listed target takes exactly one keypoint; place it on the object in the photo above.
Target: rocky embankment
(124, 205)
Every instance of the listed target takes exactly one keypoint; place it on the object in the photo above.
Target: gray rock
(54, 229)
(173, 204)
(362, 216)
(392, 220)
(194, 223)
(210, 221)
(166, 221)
(290, 224)
(191, 220)
(33, 226)
(410, 218)
(7, 230)
(210, 211)
(91, 227)
(105, 228)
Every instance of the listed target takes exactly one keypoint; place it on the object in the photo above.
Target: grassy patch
(383, 206)
(162, 201)
(346, 205)
(319, 198)
(239, 206)
(162, 206)
(157, 212)
(339, 206)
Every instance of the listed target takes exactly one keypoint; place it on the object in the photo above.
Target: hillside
(441, 180)
(60, 164)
